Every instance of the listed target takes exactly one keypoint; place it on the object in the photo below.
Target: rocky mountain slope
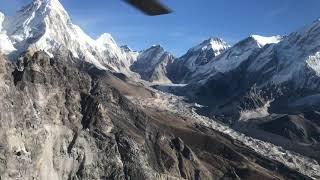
(152, 64)
(231, 58)
(61, 120)
(45, 25)
(273, 72)
(159, 66)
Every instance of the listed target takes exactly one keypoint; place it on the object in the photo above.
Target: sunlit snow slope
(45, 25)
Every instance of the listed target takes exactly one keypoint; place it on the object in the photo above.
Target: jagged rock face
(153, 63)
(62, 120)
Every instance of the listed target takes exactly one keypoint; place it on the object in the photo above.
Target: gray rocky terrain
(65, 119)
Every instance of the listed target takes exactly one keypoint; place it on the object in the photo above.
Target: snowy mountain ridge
(216, 44)
(204, 52)
(45, 25)
(230, 58)
(209, 57)
(263, 40)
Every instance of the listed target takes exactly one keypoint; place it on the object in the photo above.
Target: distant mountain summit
(231, 58)
(199, 55)
(217, 45)
(203, 53)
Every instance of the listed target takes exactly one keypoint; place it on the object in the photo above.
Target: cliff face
(61, 120)
(152, 64)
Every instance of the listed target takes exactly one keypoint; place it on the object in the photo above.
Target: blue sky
(191, 22)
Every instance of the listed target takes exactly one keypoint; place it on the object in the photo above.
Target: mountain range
(74, 107)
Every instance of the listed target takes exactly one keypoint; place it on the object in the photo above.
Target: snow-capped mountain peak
(213, 43)
(50, 4)
(263, 40)
(30, 21)
(46, 25)
(155, 47)
(199, 55)
(218, 44)
(234, 56)
(203, 53)
(42, 24)
(106, 43)
(105, 38)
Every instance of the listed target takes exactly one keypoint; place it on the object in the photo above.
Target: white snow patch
(313, 62)
(262, 41)
(5, 44)
(255, 113)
